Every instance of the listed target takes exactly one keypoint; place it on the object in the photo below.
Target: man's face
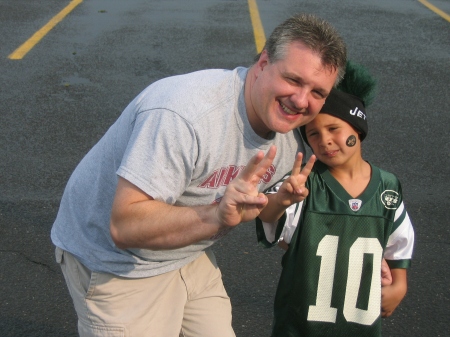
(289, 92)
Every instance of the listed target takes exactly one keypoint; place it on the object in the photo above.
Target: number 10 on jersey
(327, 249)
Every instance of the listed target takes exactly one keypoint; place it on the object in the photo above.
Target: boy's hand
(386, 276)
(293, 189)
(392, 295)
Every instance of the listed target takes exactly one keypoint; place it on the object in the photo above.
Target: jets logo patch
(355, 204)
(389, 199)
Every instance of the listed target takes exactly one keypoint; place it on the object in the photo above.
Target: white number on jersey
(327, 249)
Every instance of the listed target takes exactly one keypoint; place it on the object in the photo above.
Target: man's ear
(263, 60)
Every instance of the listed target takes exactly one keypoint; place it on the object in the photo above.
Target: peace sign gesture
(293, 190)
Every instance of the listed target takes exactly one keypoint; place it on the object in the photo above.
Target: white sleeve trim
(292, 216)
(289, 226)
(401, 241)
(269, 230)
(399, 211)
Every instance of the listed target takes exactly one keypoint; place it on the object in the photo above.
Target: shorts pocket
(93, 330)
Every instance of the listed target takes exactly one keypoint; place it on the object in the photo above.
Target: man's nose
(300, 99)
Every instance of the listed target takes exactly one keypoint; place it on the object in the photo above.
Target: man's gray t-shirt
(181, 141)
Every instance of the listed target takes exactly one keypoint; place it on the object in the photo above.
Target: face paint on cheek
(351, 141)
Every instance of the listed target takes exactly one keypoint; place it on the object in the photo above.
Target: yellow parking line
(436, 10)
(258, 31)
(20, 52)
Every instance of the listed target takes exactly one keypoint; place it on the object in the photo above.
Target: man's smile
(287, 110)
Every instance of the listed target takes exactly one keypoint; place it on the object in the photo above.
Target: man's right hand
(242, 201)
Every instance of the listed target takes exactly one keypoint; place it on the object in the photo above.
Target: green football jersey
(330, 284)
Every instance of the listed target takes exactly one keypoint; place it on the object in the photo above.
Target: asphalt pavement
(59, 99)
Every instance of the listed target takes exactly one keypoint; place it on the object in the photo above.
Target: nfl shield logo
(355, 204)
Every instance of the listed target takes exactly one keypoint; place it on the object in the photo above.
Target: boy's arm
(273, 210)
(392, 295)
(398, 254)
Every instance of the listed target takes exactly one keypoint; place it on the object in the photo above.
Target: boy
(338, 235)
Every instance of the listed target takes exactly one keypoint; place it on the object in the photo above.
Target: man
(141, 210)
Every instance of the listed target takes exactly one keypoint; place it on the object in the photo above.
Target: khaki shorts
(189, 302)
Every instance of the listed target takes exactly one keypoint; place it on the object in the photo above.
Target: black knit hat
(348, 102)
(347, 107)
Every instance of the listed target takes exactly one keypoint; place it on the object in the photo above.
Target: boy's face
(333, 141)
(289, 92)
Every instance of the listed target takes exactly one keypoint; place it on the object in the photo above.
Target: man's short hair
(315, 33)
